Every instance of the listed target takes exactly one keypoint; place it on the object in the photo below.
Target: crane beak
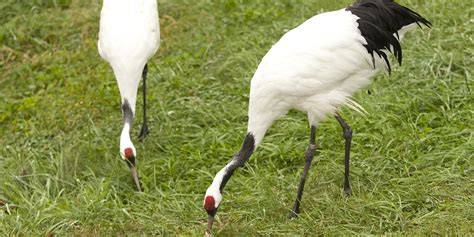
(133, 170)
(130, 161)
(210, 221)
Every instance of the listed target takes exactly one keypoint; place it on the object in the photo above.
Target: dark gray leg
(347, 134)
(144, 132)
(309, 154)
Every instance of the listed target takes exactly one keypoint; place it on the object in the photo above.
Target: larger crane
(129, 36)
(315, 68)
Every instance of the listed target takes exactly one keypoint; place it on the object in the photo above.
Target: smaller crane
(129, 36)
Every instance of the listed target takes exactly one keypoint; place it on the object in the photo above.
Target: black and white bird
(129, 36)
(315, 68)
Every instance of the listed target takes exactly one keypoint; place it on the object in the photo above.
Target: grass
(60, 120)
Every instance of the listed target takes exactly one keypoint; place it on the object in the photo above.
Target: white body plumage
(315, 67)
(129, 35)
(307, 71)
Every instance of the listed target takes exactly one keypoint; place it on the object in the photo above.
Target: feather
(379, 22)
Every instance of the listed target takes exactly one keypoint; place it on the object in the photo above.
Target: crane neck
(237, 161)
(127, 113)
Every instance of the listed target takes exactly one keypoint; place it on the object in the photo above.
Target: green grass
(60, 120)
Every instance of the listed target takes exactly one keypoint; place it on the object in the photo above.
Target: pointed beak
(130, 161)
(210, 221)
(133, 170)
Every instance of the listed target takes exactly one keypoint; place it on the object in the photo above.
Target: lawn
(60, 121)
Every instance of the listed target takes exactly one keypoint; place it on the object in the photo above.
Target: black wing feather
(379, 21)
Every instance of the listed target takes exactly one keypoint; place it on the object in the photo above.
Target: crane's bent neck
(127, 120)
(125, 141)
(221, 178)
(127, 113)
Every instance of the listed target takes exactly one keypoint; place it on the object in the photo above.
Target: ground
(60, 120)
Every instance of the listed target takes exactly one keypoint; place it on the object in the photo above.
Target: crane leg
(309, 154)
(144, 131)
(347, 134)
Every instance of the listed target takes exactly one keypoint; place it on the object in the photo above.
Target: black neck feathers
(127, 112)
(239, 159)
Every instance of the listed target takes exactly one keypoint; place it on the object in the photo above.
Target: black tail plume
(379, 21)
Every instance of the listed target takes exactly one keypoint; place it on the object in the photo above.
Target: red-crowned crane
(129, 36)
(315, 68)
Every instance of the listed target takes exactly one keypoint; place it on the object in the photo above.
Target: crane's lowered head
(128, 155)
(212, 200)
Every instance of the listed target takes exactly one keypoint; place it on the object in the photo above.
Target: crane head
(212, 200)
(128, 155)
